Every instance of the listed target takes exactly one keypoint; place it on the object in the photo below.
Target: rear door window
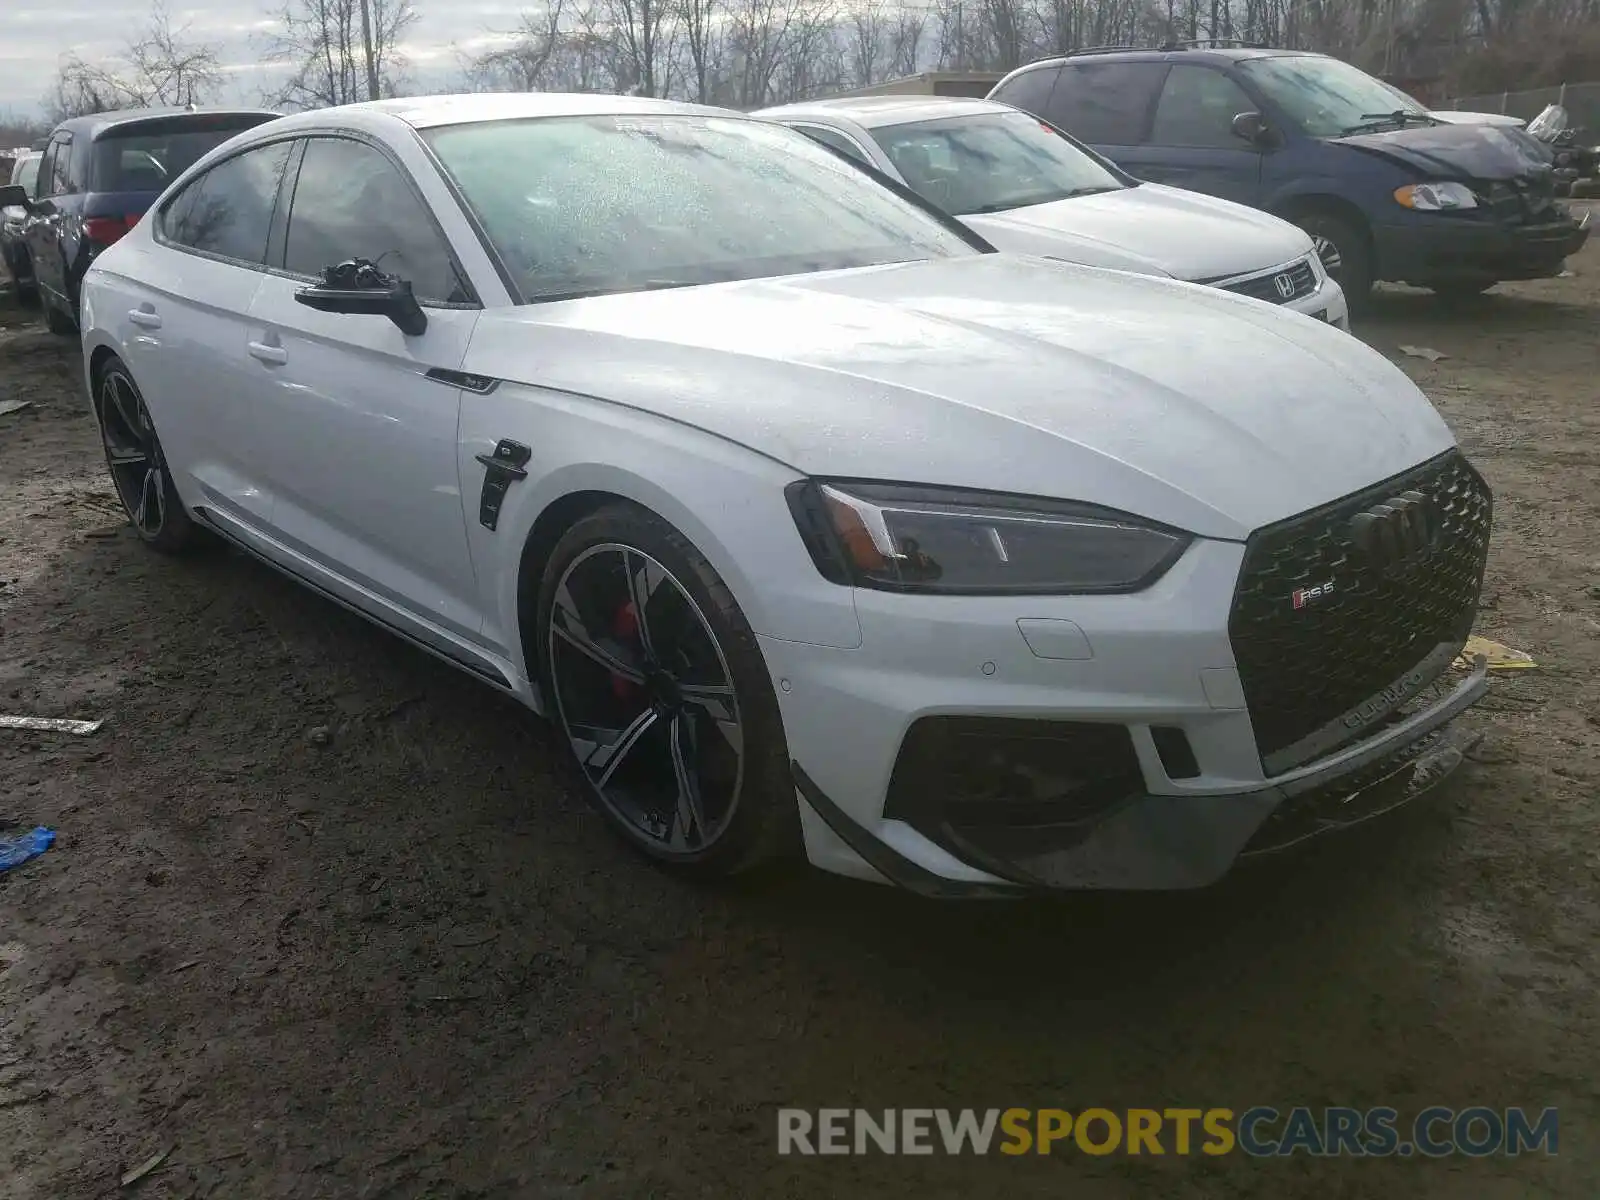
(227, 211)
(1197, 108)
(1030, 91)
(1106, 103)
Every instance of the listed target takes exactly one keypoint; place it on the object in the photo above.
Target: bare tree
(325, 45)
(159, 65)
(701, 24)
(527, 63)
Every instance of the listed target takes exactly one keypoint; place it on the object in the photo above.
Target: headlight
(1436, 197)
(904, 538)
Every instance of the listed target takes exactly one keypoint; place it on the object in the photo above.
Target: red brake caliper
(625, 628)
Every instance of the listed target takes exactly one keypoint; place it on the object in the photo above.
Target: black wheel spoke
(567, 624)
(641, 588)
(690, 811)
(125, 458)
(607, 756)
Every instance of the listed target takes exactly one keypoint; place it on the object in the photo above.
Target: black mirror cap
(1252, 128)
(398, 303)
(14, 195)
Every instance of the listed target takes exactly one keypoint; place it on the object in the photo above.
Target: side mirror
(14, 195)
(358, 288)
(1252, 128)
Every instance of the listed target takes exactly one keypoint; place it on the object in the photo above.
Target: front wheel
(1345, 254)
(138, 465)
(661, 692)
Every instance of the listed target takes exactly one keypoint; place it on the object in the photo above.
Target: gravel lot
(326, 921)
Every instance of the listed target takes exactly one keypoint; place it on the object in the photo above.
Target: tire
(702, 784)
(138, 467)
(1345, 252)
(56, 321)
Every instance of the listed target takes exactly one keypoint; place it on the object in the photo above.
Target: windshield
(1329, 98)
(148, 156)
(984, 164)
(587, 205)
(1550, 123)
(27, 172)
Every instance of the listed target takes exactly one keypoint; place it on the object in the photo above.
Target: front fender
(726, 499)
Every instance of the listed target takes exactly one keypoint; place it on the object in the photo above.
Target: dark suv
(1386, 190)
(97, 177)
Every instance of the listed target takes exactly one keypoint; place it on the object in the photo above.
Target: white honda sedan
(814, 524)
(1028, 188)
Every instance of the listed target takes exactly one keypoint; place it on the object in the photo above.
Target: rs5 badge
(1312, 595)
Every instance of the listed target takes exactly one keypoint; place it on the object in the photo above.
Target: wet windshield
(1329, 98)
(990, 163)
(579, 206)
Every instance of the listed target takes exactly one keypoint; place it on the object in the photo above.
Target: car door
(357, 420)
(52, 193)
(1192, 143)
(181, 314)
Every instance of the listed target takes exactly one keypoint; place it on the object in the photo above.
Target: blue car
(1386, 190)
(94, 181)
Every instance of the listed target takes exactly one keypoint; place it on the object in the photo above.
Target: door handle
(273, 356)
(145, 319)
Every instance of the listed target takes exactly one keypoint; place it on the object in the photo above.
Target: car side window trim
(280, 268)
(811, 129)
(158, 222)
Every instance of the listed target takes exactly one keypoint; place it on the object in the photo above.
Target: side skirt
(484, 669)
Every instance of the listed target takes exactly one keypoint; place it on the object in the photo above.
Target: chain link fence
(1581, 100)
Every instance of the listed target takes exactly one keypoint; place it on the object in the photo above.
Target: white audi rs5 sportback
(813, 523)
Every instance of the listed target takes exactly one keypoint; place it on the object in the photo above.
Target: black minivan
(1385, 189)
(98, 175)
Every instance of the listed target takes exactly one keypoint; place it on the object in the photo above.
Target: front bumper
(1145, 665)
(1168, 842)
(1451, 249)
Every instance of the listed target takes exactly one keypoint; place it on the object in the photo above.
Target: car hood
(1183, 404)
(1160, 230)
(1456, 151)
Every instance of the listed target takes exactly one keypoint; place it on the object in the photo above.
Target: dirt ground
(326, 921)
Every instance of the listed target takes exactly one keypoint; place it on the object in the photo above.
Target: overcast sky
(34, 34)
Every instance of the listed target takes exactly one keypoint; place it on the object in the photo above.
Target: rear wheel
(1345, 254)
(656, 682)
(138, 466)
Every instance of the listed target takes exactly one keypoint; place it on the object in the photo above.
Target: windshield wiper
(1041, 198)
(612, 289)
(1399, 116)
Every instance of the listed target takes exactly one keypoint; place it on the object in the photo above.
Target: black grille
(1307, 668)
(1302, 282)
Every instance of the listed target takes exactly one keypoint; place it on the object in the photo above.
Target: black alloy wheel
(138, 465)
(657, 685)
